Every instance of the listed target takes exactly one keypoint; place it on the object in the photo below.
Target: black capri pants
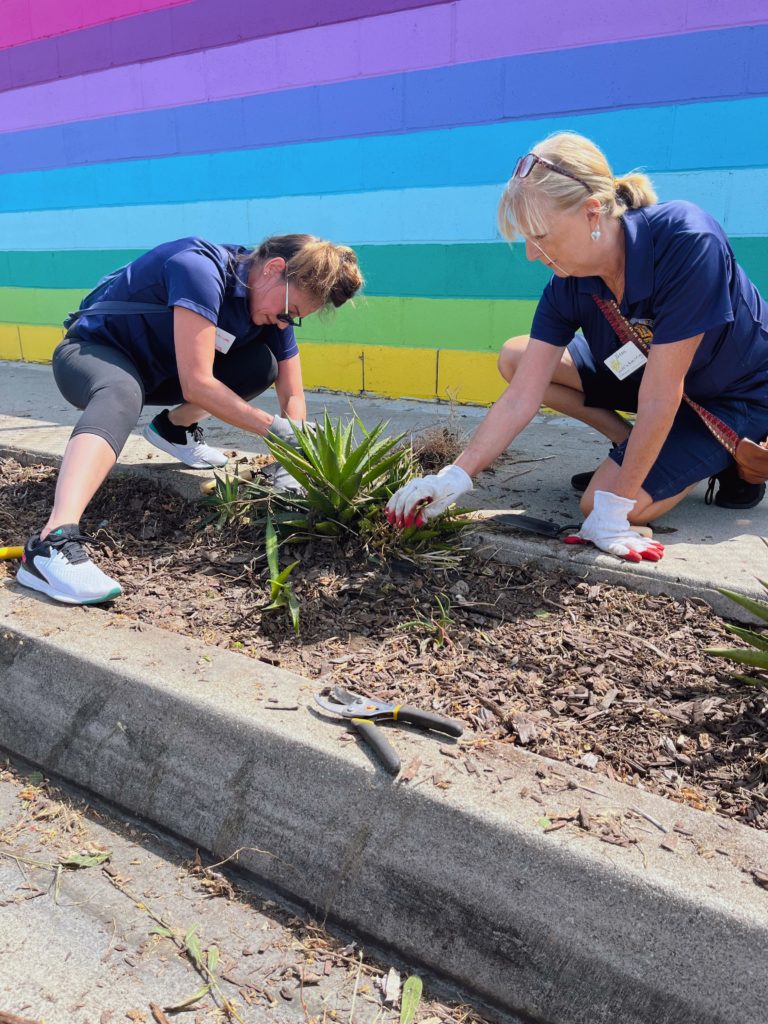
(105, 383)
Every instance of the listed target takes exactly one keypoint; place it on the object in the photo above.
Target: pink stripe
(23, 21)
(468, 30)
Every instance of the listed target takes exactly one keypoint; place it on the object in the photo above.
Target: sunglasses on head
(526, 163)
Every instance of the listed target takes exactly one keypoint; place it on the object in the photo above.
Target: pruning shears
(362, 713)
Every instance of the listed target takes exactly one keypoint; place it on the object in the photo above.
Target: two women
(202, 327)
(214, 330)
(668, 270)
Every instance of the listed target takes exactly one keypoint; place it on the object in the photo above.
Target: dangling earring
(595, 234)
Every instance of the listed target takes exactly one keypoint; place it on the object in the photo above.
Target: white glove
(607, 527)
(427, 496)
(282, 428)
(281, 479)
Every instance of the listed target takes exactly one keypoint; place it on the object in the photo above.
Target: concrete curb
(648, 578)
(559, 928)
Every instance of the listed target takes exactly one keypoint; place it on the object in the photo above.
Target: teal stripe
(663, 139)
(79, 268)
(436, 215)
(481, 271)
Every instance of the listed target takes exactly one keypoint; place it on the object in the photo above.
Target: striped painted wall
(390, 125)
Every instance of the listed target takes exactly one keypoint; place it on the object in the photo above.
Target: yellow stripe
(395, 712)
(446, 374)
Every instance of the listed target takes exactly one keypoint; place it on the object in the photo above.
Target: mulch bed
(594, 675)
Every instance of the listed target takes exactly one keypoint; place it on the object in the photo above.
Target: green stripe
(77, 268)
(491, 271)
(475, 325)
(37, 305)
(471, 271)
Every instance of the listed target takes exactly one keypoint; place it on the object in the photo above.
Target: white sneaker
(192, 451)
(59, 567)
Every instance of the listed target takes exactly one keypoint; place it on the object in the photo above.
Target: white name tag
(223, 340)
(625, 360)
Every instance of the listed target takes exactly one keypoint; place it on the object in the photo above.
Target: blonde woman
(669, 268)
(206, 326)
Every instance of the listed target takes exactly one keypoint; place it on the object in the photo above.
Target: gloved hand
(427, 496)
(282, 428)
(279, 477)
(607, 527)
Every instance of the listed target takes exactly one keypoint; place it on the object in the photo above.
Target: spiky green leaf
(759, 640)
(757, 659)
(758, 608)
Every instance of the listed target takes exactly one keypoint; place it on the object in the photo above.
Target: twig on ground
(354, 994)
(647, 817)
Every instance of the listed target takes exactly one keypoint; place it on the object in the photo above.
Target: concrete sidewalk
(555, 927)
(706, 547)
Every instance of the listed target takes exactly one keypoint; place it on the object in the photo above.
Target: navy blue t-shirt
(190, 272)
(681, 279)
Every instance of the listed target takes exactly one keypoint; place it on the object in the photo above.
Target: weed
(281, 591)
(436, 625)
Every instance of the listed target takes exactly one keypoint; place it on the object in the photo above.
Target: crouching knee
(510, 354)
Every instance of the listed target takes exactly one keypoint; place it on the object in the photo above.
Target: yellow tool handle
(11, 552)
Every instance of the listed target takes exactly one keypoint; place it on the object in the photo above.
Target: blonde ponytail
(634, 191)
(329, 272)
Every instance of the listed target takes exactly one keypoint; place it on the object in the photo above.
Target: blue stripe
(675, 69)
(442, 215)
(662, 138)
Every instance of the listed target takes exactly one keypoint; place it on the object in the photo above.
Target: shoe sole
(737, 508)
(151, 435)
(26, 579)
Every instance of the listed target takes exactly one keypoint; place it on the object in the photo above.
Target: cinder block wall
(390, 125)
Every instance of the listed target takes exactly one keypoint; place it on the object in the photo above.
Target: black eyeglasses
(526, 163)
(286, 318)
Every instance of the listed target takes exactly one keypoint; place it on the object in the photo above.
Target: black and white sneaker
(185, 443)
(59, 567)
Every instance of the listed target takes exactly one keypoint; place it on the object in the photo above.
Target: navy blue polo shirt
(189, 272)
(682, 279)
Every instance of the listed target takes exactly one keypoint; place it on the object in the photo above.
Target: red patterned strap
(625, 331)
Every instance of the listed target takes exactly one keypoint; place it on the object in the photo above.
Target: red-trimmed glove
(427, 496)
(608, 528)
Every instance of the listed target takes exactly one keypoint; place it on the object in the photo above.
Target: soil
(586, 673)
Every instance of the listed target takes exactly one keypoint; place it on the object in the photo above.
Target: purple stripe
(185, 29)
(365, 48)
(334, 53)
(484, 27)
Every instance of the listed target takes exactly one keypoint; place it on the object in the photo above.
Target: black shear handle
(375, 739)
(428, 720)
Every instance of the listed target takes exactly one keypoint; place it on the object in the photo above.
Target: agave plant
(343, 479)
(222, 500)
(347, 481)
(756, 655)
